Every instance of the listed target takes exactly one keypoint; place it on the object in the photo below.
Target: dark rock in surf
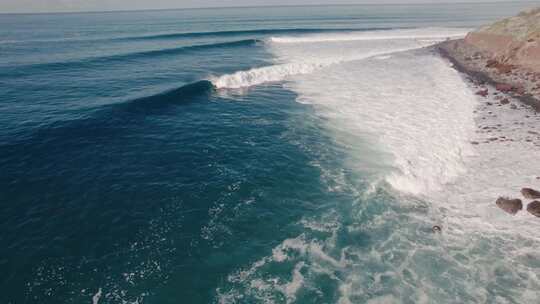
(482, 93)
(511, 206)
(534, 208)
(505, 101)
(530, 193)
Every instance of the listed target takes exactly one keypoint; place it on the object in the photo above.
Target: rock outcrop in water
(530, 193)
(534, 208)
(511, 206)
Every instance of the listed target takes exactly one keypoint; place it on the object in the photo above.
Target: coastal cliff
(505, 54)
(512, 41)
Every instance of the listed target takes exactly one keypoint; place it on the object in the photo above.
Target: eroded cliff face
(512, 41)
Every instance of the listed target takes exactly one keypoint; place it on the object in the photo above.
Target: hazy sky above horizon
(14, 6)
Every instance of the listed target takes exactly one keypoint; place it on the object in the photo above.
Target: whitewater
(406, 119)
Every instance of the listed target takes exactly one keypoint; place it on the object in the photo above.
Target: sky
(35, 6)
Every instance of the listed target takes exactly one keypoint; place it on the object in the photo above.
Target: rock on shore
(511, 206)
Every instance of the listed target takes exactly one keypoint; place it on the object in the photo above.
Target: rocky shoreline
(482, 69)
(495, 86)
(504, 54)
(501, 94)
(502, 63)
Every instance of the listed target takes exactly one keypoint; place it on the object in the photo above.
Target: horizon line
(244, 6)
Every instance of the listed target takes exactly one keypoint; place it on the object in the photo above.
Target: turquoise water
(214, 156)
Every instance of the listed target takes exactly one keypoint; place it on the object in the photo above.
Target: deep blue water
(123, 169)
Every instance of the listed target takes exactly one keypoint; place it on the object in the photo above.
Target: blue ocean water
(137, 167)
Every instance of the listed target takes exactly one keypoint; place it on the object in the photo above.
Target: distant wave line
(105, 120)
(86, 62)
(249, 32)
(179, 35)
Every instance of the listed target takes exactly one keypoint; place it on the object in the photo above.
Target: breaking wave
(434, 34)
(262, 75)
(385, 92)
(305, 63)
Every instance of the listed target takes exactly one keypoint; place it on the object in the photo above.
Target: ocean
(253, 155)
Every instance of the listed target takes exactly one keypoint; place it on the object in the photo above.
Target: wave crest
(303, 60)
(262, 75)
(430, 34)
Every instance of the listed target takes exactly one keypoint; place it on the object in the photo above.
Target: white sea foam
(413, 107)
(408, 34)
(290, 289)
(262, 75)
(506, 159)
(96, 297)
(297, 59)
(418, 115)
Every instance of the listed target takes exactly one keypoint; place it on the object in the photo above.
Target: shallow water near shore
(256, 156)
